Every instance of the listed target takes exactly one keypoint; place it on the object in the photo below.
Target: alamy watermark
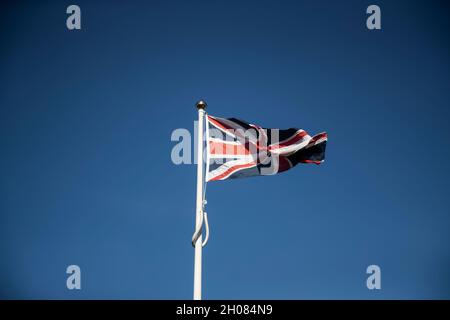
(73, 21)
(374, 280)
(74, 279)
(254, 145)
(373, 21)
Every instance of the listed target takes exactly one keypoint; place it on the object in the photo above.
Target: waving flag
(237, 149)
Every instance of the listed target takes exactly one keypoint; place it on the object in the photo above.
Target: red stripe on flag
(232, 169)
(318, 137)
(227, 148)
(300, 135)
(219, 124)
(310, 161)
(283, 164)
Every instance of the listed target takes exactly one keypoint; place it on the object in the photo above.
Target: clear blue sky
(86, 175)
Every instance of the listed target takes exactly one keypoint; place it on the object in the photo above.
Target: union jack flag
(237, 149)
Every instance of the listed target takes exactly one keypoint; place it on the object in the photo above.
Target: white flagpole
(201, 106)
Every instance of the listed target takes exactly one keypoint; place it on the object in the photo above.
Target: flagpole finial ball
(201, 105)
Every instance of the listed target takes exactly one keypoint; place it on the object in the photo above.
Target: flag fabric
(237, 149)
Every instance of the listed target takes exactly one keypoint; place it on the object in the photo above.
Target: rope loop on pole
(199, 230)
(206, 229)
